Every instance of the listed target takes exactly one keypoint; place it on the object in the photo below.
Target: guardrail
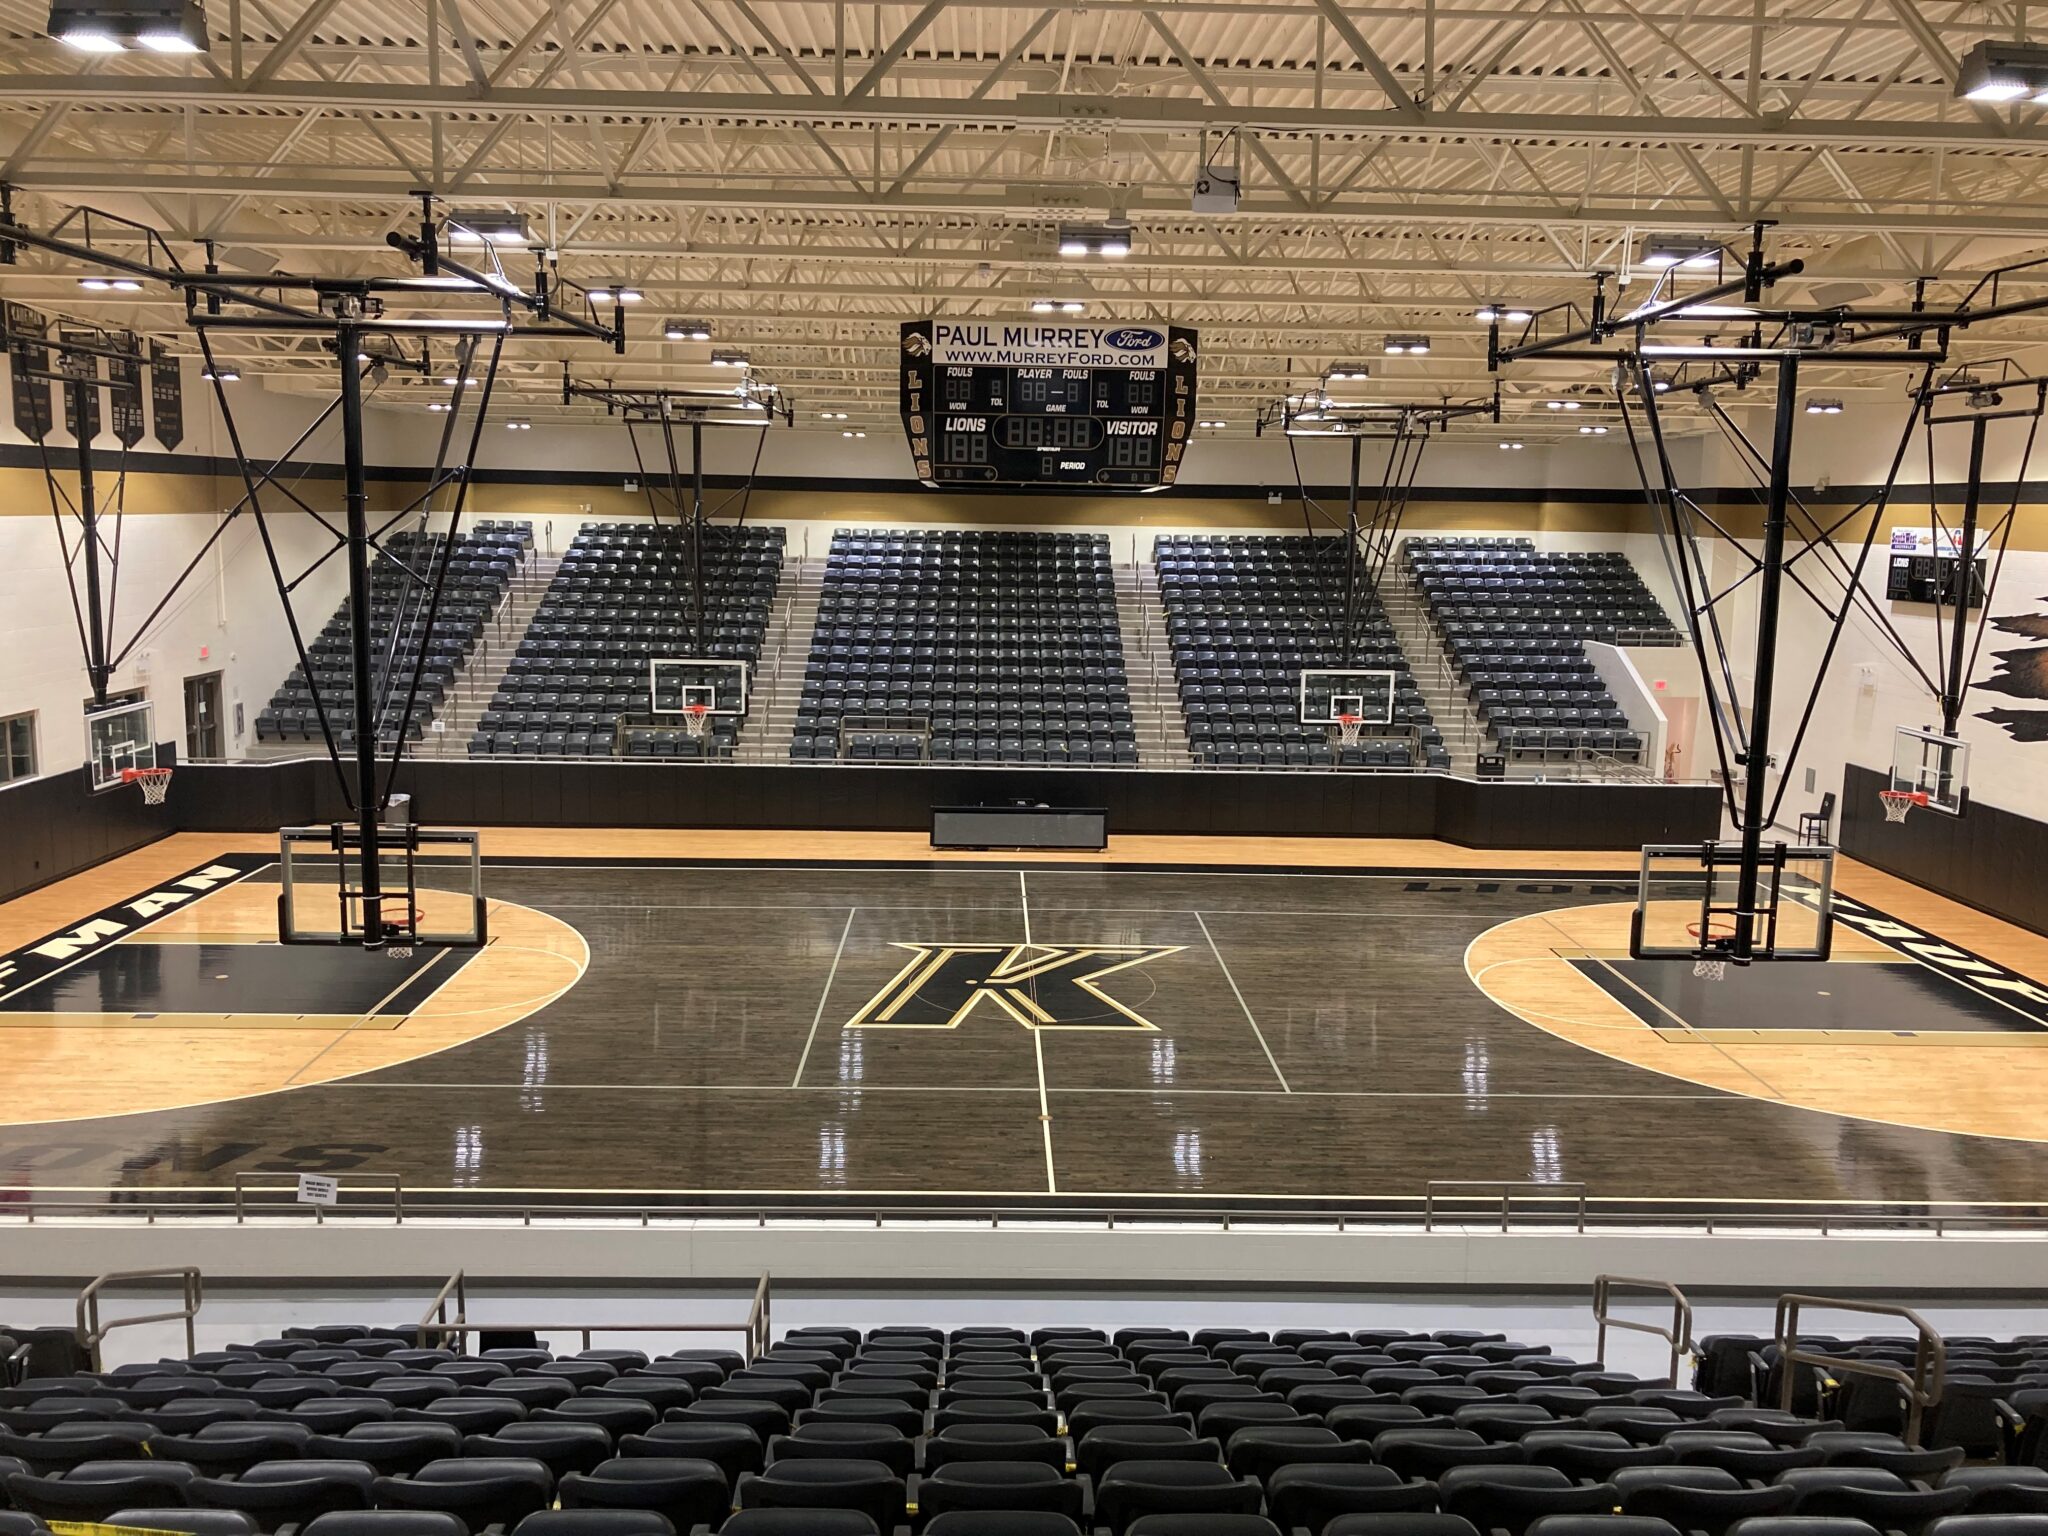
(1678, 1335)
(454, 1332)
(25, 1206)
(1571, 1190)
(1921, 1387)
(92, 1328)
(246, 1184)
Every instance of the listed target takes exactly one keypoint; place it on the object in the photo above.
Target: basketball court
(702, 1016)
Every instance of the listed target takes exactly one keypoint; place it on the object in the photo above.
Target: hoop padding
(154, 782)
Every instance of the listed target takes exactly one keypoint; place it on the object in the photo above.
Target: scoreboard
(992, 402)
(1927, 564)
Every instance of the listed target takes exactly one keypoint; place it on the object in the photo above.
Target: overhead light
(494, 226)
(832, 415)
(114, 26)
(1561, 405)
(1516, 447)
(518, 424)
(730, 358)
(1659, 384)
(1490, 314)
(1820, 405)
(439, 405)
(1057, 306)
(617, 293)
(851, 433)
(1111, 238)
(686, 330)
(1213, 425)
(1348, 373)
(110, 284)
(1994, 71)
(451, 381)
(1592, 429)
(1679, 251)
(1414, 346)
(222, 375)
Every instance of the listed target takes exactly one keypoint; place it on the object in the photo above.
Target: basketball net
(695, 718)
(1897, 802)
(155, 783)
(1348, 727)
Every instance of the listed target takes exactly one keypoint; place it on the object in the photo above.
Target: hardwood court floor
(1179, 1019)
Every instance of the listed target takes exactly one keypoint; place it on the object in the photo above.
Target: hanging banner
(84, 365)
(167, 395)
(26, 354)
(124, 400)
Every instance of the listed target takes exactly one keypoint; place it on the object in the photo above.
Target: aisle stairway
(1148, 663)
(1449, 705)
(778, 680)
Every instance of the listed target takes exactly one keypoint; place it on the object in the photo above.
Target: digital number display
(1047, 431)
(1134, 453)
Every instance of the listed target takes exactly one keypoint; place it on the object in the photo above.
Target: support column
(699, 642)
(1757, 760)
(363, 715)
(1351, 557)
(96, 667)
(1954, 683)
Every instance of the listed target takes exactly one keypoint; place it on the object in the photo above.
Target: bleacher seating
(1514, 621)
(994, 1431)
(1245, 616)
(1006, 644)
(401, 586)
(621, 597)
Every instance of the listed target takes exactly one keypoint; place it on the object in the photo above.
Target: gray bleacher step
(1449, 707)
(477, 682)
(1148, 667)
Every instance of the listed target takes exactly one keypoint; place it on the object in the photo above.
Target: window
(17, 748)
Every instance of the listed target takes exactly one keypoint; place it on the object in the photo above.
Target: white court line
(823, 997)
(1052, 1183)
(1247, 1007)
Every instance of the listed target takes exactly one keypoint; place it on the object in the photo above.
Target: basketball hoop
(1897, 802)
(1708, 966)
(1348, 727)
(696, 717)
(155, 783)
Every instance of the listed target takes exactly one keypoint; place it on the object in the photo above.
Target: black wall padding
(56, 826)
(454, 793)
(1991, 859)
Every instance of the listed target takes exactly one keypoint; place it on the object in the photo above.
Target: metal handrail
(1507, 1189)
(455, 1289)
(91, 1329)
(1678, 1335)
(1921, 1387)
(454, 1333)
(245, 1183)
(26, 1206)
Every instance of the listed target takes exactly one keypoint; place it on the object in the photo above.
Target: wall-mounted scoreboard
(991, 402)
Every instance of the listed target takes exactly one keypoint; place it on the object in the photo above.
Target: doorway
(202, 717)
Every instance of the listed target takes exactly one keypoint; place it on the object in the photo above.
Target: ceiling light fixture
(686, 330)
(1561, 405)
(617, 293)
(1516, 447)
(851, 433)
(1822, 405)
(518, 424)
(223, 375)
(1994, 72)
(492, 226)
(730, 358)
(1508, 314)
(1414, 346)
(832, 415)
(1058, 306)
(110, 284)
(1592, 429)
(1664, 251)
(1347, 373)
(1110, 238)
(1213, 425)
(114, 26)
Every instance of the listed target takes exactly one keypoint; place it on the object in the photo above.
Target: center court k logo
(1040, 986)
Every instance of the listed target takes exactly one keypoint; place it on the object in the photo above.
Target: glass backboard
(676, 683)
(431, 881)
(1327, 693)
(117, 738)
(1928, 763)
(1686, 902)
